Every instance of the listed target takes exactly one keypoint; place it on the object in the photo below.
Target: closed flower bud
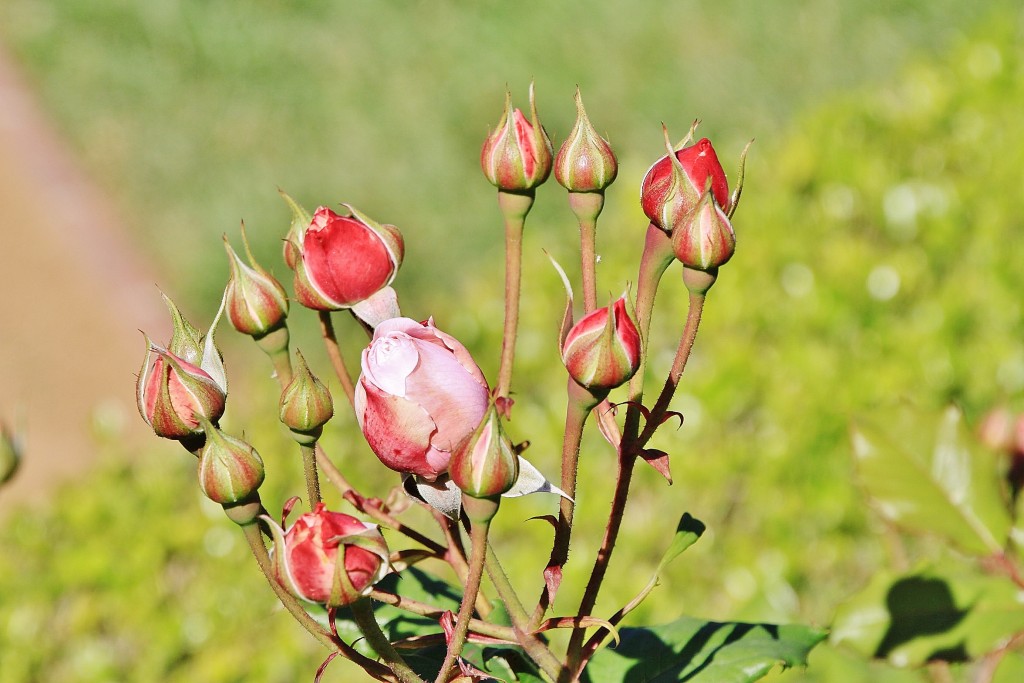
(256, 301)
(10, 453)
(328, 557)
(230, 470)
(485, 465)
(306, 404)
(345, 259)
(602, 351)
(704, 238)
(420, 395)
(173, 393)
(585, 162)
(673, 186)
(517, 154)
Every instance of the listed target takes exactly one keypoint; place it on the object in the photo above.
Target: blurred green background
(878, 259)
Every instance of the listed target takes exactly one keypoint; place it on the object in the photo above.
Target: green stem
(310, 472)
(514, 207)
(334, 352)
(587, 207)
(657, 257)
(604, 556)
(537, 650)
(478, 539)
(693, 314)
(275, 345)
(578, 407)
(362, 612)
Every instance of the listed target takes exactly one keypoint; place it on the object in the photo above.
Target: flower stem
(434, 612)
(331, 342)
(275, 345)
(362, 612)
(578, 407)
(537, 650)
(587, 207)
(478, 539)
(514, 207)
(310, 472)
(604, 556)
(693, 314)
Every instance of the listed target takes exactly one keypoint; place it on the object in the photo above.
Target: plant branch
(334, 352)
(478, 540)
(362, 613)
(514, 207)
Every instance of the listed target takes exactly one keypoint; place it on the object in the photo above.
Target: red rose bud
(420, 395)
(484, 465)
(517, 154)
(10, 453)
(704, 238)
(328, 557)
(345, 259)
(293, 240)
(672, 188)
(585, 162)
(306, 404)
(230, 470)
(602, 351)
(256, 301)
(173, 393)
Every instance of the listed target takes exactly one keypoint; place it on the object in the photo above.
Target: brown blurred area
(73, 293)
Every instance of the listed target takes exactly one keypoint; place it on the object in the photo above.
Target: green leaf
(928, 478)
(930, 614)
(700, 651)
(688, 531)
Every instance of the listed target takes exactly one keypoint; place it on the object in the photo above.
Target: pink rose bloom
(420, 394)
(306, 556)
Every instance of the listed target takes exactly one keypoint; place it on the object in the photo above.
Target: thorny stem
(657, 257)
(362, 613)
(578, 406)
(514, 207)
(424, 610)
(310, 472)
(331, 342)
(455, 556)
(478, 539)
(537, 650)
(693, 314)
(604, 555)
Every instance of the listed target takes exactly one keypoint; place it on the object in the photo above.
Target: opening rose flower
(419, 395)
(328, 557)
(344, 260)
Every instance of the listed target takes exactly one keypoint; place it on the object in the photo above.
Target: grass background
(877, 260)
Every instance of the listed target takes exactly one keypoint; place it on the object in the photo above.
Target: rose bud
(419, 395)
(306, 404)
(172, 393)
(328, 557)
(704, 238)
(602, 350)
(516, 155)
(345, 259)
(672, 188)
(256, 301)
(230, 470)
(484, 465)
(585, 162)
